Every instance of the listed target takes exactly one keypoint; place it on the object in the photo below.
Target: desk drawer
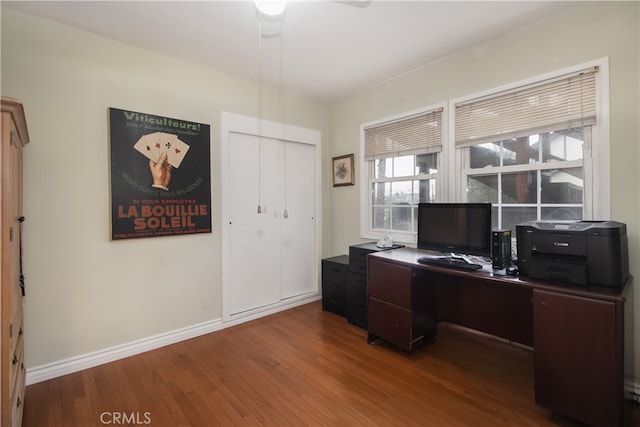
(334, 284)
(359, 253)
(335, 268)
(357, 300)
(358, 266)
(390, 322)
(358, 259)
(390, 282)
(357, 314)
(357, 286)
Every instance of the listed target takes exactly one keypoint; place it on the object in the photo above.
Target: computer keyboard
(448, 262)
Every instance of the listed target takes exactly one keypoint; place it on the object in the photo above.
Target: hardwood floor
(300, 367)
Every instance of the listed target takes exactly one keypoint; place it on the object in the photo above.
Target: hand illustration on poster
(160, 172)
(160, 176)
(164, 151)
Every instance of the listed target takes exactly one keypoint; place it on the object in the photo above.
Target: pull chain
(284, 127)
(286, 212)
(259, 113)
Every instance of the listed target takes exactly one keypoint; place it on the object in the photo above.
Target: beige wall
(583, 32)
(86, 293)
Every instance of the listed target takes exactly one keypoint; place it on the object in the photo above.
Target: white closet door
(298, 229)
(268, 260)
(254, 238)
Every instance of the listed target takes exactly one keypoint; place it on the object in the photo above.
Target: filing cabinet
(402, 308)
(357, 289)
(334, 284)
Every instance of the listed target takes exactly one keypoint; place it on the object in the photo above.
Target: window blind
(562, 103)
(418, 134)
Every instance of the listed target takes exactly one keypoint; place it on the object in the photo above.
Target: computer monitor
(461, 228)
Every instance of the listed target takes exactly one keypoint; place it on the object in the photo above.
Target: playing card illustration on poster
(160, 176)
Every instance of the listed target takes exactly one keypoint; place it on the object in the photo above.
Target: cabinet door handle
(15, 359)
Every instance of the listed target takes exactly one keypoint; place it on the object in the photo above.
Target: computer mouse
(512, 271)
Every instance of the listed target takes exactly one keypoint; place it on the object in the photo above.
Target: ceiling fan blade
(355, 3)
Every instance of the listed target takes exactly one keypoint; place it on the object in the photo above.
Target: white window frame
(597, 176)
(366, 177)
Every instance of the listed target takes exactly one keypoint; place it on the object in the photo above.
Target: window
(398, 185)
(402, 158)
(536, 177)
(536, 149)
(527, 150)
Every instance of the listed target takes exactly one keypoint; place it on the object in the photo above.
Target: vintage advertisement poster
(160, 176)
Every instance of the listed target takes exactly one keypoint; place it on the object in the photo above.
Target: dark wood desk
(581, 353)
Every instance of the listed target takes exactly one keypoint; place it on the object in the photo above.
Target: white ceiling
(329, 48)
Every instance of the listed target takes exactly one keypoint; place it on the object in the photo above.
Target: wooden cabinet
(579, 357)
(401, 304)
(334, 284)
(583, 336)
(12, 372)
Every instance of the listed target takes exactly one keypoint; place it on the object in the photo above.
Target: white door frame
(236, 123)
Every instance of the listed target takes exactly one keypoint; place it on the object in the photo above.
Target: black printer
(579, 253)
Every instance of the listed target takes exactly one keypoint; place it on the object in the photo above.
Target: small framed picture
(343, 170)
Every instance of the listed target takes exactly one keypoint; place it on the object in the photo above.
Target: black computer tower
(501, 249)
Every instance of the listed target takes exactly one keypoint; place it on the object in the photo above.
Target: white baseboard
(89, 360)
